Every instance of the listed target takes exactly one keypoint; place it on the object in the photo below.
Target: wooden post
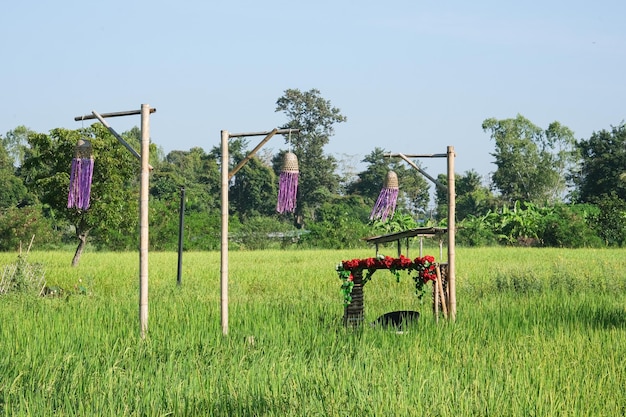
(451, 235)
(225, 178)
(224, 243)
(442, 293)
(143, 224)
(181, 231)
(144, 188)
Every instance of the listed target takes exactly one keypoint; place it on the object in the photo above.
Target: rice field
(539, 332)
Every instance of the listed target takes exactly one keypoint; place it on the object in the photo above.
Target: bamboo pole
(114, 114)
(252, 153)
(143, 224)
(420, 155)
(451, 235)
(421, 171)
(225, 178)
(224, 242)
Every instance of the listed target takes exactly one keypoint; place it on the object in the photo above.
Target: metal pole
(451, 236)
(224, 243)
(143, 224)
(181, 228)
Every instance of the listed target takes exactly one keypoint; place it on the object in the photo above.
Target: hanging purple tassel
(80, 176)
(386, 204)
(288, 184)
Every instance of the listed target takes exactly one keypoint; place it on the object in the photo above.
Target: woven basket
(391, 180)
(354, 313)
(290, 163)
(83, 149)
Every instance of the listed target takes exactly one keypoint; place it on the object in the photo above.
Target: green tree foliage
(114, 192)
(609, 221)
(195, 170)
(570, 226)
(520, 224)
(254, 189)
(532, 163)
(12, 191)
(16, 142)
(19, 225)
(315, 117)
(339, 223)
(198, 173)
(603, 165)
(472, 197)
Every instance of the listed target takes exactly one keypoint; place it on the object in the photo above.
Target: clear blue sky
(411, 76)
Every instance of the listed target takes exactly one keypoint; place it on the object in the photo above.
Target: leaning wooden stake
(436, 299)
(444, 300)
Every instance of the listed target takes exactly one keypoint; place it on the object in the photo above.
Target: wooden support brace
(444, 306)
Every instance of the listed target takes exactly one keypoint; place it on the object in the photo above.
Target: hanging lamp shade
(81, 176)
(288, 184)
(386, 203)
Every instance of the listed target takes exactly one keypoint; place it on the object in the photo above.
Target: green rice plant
(555, 348)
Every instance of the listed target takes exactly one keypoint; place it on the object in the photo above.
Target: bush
(609, 221)
(20, 225)
(567, 227)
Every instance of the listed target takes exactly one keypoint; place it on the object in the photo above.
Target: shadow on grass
(602, 317)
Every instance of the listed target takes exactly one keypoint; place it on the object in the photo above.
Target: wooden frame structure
(440, 293)
(449, 155)
(226, 176)
(144, 189)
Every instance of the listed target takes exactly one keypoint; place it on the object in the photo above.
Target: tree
(254, 190)
(472, 197)
(532, 164)
(12, 191)
(315, 117)
(15, 142)
(609, 221)
(197, 171)
(603, 165)
(112, 216)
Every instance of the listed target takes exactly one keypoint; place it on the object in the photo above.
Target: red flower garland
(424, 266)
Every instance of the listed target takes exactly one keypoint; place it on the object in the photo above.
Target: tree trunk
(82, 237)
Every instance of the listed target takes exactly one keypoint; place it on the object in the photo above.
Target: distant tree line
(548, 189)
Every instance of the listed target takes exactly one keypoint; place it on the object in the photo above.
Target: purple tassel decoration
(80, 176)
(386, 204)
(288, 184)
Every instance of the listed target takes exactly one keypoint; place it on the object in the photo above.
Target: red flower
(351, 265)
(370, 262)
(404, 261)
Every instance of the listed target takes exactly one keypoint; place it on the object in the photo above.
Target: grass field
(539, 332)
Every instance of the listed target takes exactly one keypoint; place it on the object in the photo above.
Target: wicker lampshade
(83, 149)
(391, 180)
(290, 162)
